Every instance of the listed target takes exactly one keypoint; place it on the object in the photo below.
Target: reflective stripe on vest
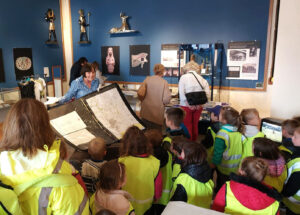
(46, 191)
(166, 172)
(233, 152)
(233, 206)
(293, 202)
(199, 194)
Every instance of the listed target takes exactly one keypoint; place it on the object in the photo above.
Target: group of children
(253, 174)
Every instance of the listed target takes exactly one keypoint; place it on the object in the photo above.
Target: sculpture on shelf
(124, 28)
(83, 25)
(50, 17)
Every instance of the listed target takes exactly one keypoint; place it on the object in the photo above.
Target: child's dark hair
(255, 168)
(111, 175)
(232, 117)
(175, 115)
(290, 125)
(154, 136)
(194, 153)
(134, 143)
(265, 148)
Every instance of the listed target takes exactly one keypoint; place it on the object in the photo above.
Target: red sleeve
(219, 202)
(80, 181)
(158, 186)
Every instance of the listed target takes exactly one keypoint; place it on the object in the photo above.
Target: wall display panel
(2, 74)
(218, 22)
(139, 60)
(170, 59)
(243, 60)
(110, 60)
(23, 62)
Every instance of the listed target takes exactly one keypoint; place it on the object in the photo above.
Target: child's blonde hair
(255, 168)
(249, 114)
(97, 148)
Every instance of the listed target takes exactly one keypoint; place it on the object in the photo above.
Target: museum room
(149, 107)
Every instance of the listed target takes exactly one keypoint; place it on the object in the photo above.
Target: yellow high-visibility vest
(141, 173)
(293, 202)
(199, 194)
(233, 152)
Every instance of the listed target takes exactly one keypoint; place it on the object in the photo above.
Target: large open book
(105, 114)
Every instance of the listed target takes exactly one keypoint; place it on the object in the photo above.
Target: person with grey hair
(189, 82)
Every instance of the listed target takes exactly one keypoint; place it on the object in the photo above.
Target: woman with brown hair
(85, 84)
(31, 161)
(245, 193)
(154, 94)
(144, 181)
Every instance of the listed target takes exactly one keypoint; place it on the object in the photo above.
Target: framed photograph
(110, 60)
(2, 74)
(23, 62)
(139, 60)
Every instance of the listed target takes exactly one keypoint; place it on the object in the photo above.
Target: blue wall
(22, 25)
(171, 21)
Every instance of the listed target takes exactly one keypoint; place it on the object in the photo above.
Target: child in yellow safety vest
(144, 180)
(165, 157)
(245, 193)
(194, 183)
(268, 150)
(291, 189)
(212, 131)
(228, 145)
(251, 120)
(109, 195)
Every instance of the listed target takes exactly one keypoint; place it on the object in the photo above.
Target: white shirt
(188, 83)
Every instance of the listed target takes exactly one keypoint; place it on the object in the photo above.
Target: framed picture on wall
(139, 60)
(23, 62)
(110, 60)
(2, 74)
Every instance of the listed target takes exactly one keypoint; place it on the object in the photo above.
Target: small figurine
(110, 60)
(50, 17)
(124, 28)
(83, 25)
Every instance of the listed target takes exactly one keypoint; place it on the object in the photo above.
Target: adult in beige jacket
(157, 96)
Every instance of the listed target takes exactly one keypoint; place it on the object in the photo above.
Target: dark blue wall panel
(171, 21)
(22, 25)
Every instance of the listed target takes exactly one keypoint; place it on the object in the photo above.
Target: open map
(111, 111)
